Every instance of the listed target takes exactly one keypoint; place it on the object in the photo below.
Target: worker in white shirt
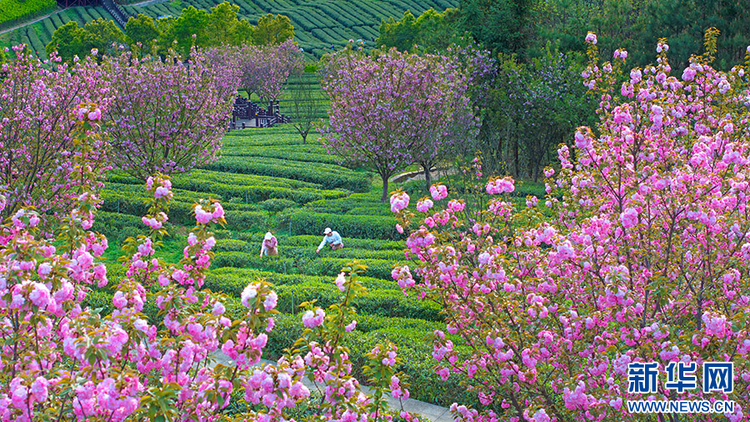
(331, 237)
(269, 245)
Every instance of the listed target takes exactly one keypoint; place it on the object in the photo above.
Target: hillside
(318, 24)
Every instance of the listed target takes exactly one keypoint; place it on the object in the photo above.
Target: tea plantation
(318, 24)
(267, 180)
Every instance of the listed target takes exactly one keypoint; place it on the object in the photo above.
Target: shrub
(277, 204)
(15, 11)
(362, 226)
(329, 176)
(249, 220)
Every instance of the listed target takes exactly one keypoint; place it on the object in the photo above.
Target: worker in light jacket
(331, 237)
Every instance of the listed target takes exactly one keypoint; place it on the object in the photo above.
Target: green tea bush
(249, 220)
(13, 12)
(277, 204)
(327, 175)
(221, 279)
(362, 226)
(323, 266)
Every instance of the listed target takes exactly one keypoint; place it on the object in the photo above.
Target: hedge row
(243, 276)
(327, 175)
(347, 204)
(13, 12)
(305, 241)
(306, 153)
(307, 250)
(117, 226)
(325, 266)
(363, 226)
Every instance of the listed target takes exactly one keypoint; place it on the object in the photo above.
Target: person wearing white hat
(269, 245)
(331, 237)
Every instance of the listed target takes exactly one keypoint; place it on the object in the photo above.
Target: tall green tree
(273, 30)
(141, 29)
(222, 24)
(187, 30)
(67, 40)
(431, 32)
(401, 34)
(502, 26)
(103, 35)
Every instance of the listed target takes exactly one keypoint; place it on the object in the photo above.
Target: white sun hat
(268, 236)
(327, 230)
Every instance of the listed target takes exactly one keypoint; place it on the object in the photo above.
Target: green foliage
(272, 30)
(142, 29)
(225, 28)
(67, 41)
(102, 34)
(13, 12)
(501, 26)
(187, 30)
(70, 40)
(432, 32)
(363, 226)
(328, 176)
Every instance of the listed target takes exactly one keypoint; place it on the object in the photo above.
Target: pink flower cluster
(496, 186)
(438, 192)
(399, 201)
(641, 261)
(313, 319)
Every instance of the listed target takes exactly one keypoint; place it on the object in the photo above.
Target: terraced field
(267, 180)
(318, 24)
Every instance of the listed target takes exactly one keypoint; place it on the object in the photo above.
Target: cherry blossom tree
(169, 116)
(392, 109)
(38, 105)
(266, 68)
(644, 261)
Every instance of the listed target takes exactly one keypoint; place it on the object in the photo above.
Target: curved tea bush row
(230, 275)
(307, 250)
(314, 240)
(323, 266)
(362, 226)
(13, 12)
(328, 176)
(305, 153)
(383, 302)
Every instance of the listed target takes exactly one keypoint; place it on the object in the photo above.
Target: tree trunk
(304, 138)
(427, 178)
(516, 168)
(384, 198)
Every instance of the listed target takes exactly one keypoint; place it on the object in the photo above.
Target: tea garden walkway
(429, 411)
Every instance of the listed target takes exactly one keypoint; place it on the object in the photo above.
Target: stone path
(419, 175)
(429, 411)
(148, 3)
